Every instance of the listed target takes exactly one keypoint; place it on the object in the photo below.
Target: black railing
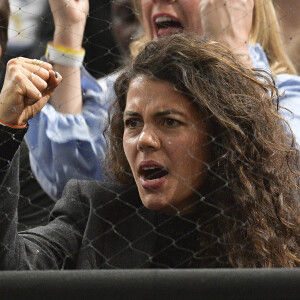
(152, 284)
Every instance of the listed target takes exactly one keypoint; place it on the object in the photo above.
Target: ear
(0, 52)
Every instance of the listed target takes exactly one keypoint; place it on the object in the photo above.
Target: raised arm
(228, 22)
(27, 87)
(65, 139)
(70, 19)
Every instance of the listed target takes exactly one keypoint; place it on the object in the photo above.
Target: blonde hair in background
(265, 31)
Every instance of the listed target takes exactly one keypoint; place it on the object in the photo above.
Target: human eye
(171, 123)
(132, 123)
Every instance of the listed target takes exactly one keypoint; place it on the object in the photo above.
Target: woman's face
(165, 142)
(125, 25)
(162, 17)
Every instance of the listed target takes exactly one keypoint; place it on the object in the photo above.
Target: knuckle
(12, 62)
(13, 68)
(17, 77)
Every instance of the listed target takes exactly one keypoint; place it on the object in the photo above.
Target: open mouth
(167, 25)
(153, 173)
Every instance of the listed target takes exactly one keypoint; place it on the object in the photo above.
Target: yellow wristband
(64, 56)
(65, 49)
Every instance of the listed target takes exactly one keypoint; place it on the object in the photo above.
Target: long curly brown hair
(250, 210)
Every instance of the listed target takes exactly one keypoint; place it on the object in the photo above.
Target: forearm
(69, 29)
(68, 97)
(9, 193)
(10, 140)
(228, 24)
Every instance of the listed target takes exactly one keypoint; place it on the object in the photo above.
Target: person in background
(288, 16)
(206, 174)
(65, 138)
(32, 26)
(125, 25)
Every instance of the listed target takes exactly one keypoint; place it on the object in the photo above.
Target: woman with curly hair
(65, 139)
(206, 169)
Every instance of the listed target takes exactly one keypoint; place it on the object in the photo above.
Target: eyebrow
(131, 114)
(158, 114)
(169, 112)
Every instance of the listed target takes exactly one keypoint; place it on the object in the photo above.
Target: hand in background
(228, 22)
(70, 20)
(28, 85)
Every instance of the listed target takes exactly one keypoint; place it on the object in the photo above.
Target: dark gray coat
(94, 226)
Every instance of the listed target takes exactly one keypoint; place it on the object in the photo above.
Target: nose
(148, 141)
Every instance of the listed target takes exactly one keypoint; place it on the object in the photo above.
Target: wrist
(8, 124)
(68, 38)
(65, 56)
